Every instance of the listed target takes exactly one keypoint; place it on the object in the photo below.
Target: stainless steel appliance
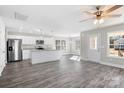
(14, 50)
(39, 44)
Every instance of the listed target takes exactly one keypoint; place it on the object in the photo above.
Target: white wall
(2, 46)
(103, 47)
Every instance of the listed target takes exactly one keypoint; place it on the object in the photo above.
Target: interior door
(94, 47)
(2, 46)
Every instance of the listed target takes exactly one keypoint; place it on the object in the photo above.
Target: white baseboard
(2, 68)
(84, 59)
(107, 63)
(113, 64)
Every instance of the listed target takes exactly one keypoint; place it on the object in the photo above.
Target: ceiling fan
(100, 14)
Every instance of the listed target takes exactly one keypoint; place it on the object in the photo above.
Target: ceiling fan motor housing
(98, 14)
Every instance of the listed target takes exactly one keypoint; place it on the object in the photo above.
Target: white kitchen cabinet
(26, 54)
(41, 56)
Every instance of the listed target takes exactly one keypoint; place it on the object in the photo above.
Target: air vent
(20, 16)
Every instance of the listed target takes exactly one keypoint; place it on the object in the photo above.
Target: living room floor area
(65, 73)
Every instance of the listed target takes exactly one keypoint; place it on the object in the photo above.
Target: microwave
(39, 42)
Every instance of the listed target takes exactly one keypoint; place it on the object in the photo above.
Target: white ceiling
(61, 19)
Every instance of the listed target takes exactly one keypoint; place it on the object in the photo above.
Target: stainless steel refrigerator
(14, 50)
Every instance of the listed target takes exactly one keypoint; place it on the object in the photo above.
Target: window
(77, 44)
(57, 44)
(93, 42)
(61, 45)
(116, 44)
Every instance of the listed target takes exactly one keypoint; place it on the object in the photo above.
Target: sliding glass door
(61, 45)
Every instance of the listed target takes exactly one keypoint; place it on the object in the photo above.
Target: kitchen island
(41, 56)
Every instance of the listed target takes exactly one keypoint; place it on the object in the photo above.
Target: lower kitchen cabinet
(26, 54)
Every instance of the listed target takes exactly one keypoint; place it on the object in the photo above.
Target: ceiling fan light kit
(100, 21)
(95, 21)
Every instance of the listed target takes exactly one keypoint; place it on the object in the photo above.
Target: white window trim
(108, 46)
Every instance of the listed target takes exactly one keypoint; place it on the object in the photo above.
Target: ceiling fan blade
(100, 7)
(89, 13)
(87, 19)
(112, 9)
(116, 15)
(111, 16)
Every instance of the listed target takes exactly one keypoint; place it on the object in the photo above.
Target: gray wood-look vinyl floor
(61, 74)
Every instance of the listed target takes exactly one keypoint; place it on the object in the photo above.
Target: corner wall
(103, 46)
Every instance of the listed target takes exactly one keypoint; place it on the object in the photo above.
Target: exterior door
(94, 47)
(2, 46)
